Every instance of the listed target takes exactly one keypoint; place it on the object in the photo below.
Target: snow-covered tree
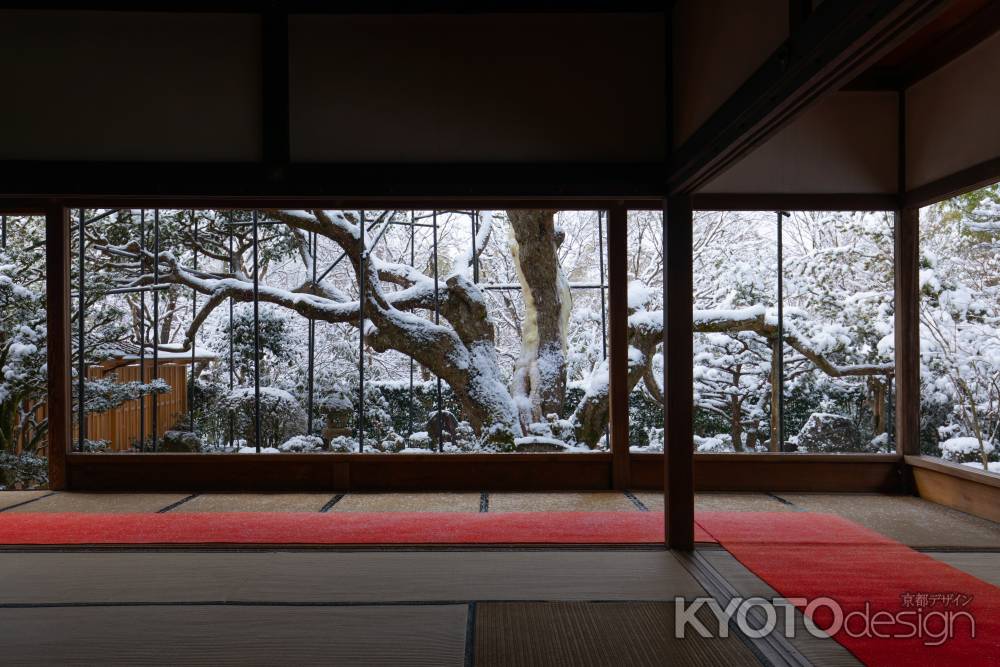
(960, 324)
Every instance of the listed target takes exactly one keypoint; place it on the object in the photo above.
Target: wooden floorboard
(826, 652)
(580, 634)
(432, 635)
(131, 576)
(985, 566)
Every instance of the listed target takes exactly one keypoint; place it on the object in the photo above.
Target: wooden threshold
(960, 487)
(474, 472)
(768, 472)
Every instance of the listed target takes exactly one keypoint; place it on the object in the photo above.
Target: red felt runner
(344, 528)
(801, 555)
(809, 556)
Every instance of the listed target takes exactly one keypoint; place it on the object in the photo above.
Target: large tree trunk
(736, 421)
(538, 384)
(591, 414)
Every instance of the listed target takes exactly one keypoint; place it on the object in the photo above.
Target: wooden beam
(166, 472)
(932, 49)
(678, 373)
(346, 204)
(60, 396)
(907, 325)
(192, 180)
(769, 473)
(339, 472)
(969, 179)
(836, 42)
(618, 345)
(966, 36)
(350, 6)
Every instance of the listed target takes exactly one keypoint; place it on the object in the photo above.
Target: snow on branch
(754, 319)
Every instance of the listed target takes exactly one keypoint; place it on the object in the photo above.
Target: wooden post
(678, 373)
(618, 346)
(60, 395)
(907, 285)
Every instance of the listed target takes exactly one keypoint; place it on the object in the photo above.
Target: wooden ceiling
(958, 28)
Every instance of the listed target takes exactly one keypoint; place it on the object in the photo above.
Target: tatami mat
(360, 576)
(11, 498)
(913, 521)
(597, 501)
(720, 502)
(408, 502)
(429, 635)
(255, 502)
(102, 502)
(578, 634)
(826, 652)
(982, 565)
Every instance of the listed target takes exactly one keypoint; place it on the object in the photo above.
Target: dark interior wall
(845, 143)
(124, 86)
(129, 86)
(477, 88)
(717, 45)
(952, 116)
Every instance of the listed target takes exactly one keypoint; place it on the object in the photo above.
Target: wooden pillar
(907, 286)
(678, 373)
(618, 346)
(60, 395)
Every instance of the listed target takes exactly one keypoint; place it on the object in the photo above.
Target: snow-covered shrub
(828, 433)
(421, 440)
(105, 394)
(22, 471)
(343, 445)
(93, 446)
(302, 443)
(176, 440)
(965, 449)
(281, 416)
(721, 443)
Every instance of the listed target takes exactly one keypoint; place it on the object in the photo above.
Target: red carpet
(802, 555)
(335, 528)
(819, 555)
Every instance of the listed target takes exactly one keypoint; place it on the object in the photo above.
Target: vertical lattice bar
(80, 332)
(412, 263)
(604, 296)
(256, 336)
(363, 267)
(475, 255)
(232, 352)
(437, 320)
(311, 377)
(155, 416)
(780, 347)
(142, 333)
(194, 314)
